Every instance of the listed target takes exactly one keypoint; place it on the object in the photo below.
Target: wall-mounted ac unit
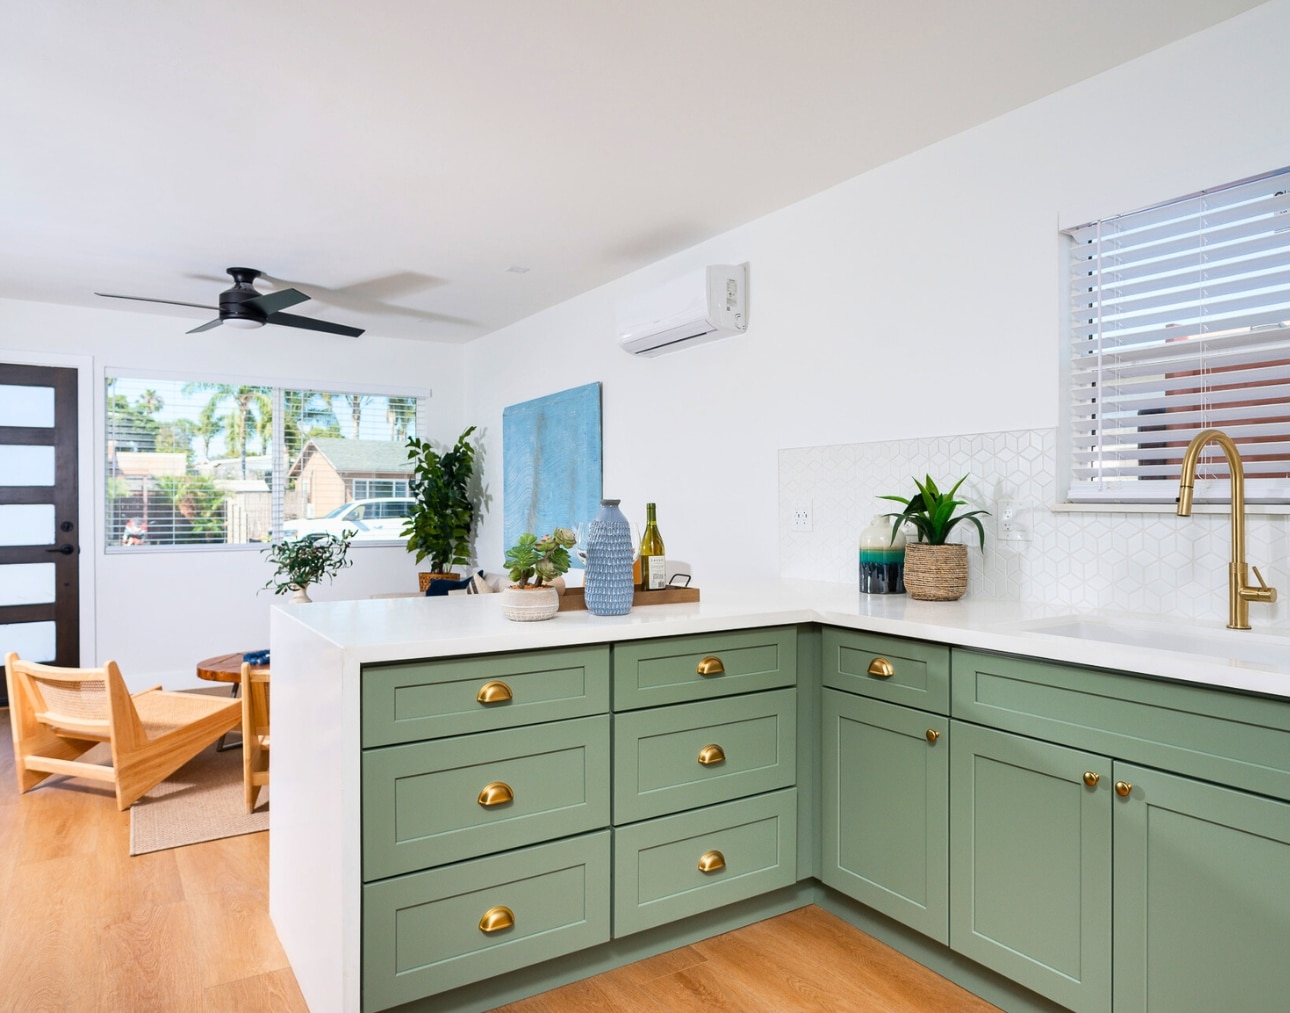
(706, 304)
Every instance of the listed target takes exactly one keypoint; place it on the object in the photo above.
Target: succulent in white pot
(540, 561)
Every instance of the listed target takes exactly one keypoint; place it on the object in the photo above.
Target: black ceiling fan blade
(168, 302)
(310, 324)
(206, 326)
(272, 302)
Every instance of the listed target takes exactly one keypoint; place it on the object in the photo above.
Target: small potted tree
(304, 561)
(935, 570)
(540, 560)
(441, 516)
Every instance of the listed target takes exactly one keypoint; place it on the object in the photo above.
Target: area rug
(201, 801)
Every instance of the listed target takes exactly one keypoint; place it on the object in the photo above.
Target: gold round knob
(497, 918)
(493, 692)
(495, 793)
(1122, 788)
(711, 665)
(711, 861)
(1091, 777)
(709, 755)
(881, 667)
(933, 735)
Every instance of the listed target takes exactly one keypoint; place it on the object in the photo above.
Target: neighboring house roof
(356, 456)
(149, 462)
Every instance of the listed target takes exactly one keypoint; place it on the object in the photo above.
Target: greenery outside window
(205, 463)
(1180, 321)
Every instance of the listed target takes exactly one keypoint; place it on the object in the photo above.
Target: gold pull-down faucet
(1239, 593)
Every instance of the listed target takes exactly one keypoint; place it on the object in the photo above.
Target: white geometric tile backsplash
(1135, 562)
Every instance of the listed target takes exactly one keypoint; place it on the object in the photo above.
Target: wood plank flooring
(86, 927)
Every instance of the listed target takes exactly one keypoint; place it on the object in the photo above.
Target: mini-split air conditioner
(706, 304)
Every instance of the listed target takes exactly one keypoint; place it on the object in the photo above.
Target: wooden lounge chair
(255, 732)
(57, 714)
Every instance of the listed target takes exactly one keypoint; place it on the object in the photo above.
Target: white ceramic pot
(301, 593)
(525, 605)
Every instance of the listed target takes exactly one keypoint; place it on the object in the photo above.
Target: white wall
(917, 300)
(158, 611)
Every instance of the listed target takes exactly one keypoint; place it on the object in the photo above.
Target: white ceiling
(393, 159)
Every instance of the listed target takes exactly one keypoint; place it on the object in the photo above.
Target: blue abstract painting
(551, 462)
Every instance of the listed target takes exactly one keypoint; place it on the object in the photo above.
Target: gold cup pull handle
(932, 735)
(1123, 788)
(711, 861)
(1091, 777)
(711, 665)
(497, 918)
(496, 793)
(494, 692)
(882, 668)
(709, 755)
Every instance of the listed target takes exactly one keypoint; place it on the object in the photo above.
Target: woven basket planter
(936, 572)
(424, 578)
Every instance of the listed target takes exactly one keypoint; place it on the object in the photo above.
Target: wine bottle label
(653, 568)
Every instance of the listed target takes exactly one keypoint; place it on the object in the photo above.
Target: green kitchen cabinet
(1030, 869)
(885, 808)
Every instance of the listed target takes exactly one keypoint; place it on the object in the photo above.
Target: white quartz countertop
(393, 629)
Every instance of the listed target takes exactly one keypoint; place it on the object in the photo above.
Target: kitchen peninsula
(1036, 748)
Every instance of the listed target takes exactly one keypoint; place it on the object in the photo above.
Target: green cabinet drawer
(425, 803)
(908, 672)
(1230, 738)
(690, 755)
(652, 672)
(423, 934)
(417, 700)
(885, 809)
(678, 866)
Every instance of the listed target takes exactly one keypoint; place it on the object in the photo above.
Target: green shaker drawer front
(425, 933)
(678, 866)
(908, 672)
(652, 672)
(456, 696)
(674, 758)
(427, 803)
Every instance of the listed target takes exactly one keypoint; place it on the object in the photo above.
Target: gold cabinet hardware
(933, 735)
(493, 692)
(1122, 788)
(711, 665)
(497, 918)
(709, 755)
(712, 861)
(882, 668)
(1091, 777)
(496, 793)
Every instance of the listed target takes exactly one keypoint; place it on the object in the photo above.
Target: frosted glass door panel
(27, 524)
(24, 465)
(26, 583)
(30, 641)
(26, 406)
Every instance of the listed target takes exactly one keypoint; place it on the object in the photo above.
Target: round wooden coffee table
(224, 668)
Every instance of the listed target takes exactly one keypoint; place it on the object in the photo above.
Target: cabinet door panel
(1030, 873)
(648, 673)
(915, 673)
(885, 808)
(1202, 896)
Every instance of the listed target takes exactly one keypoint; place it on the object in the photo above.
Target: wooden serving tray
(572, 600)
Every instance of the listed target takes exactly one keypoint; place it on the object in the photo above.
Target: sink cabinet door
(1202, 896)
(1030, 871)
(885, 809)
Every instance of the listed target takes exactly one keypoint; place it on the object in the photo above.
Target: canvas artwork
(551, 462)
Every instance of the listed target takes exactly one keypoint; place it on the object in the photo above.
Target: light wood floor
(86, 927)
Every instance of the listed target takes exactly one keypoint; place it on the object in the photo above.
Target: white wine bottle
(653, 562)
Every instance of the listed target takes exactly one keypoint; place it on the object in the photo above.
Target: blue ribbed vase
(609, 589)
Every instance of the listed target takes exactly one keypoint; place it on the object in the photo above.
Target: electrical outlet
(1015, 521)
(801, 520)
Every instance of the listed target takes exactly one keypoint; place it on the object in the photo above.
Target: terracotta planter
(425, 578)
(530, 604)
(936, 572)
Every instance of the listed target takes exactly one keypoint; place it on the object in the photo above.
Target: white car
(363, 519)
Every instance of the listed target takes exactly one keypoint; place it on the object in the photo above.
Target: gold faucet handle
(1260, 593)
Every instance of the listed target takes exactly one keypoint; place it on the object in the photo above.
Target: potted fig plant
(542, 561)
(935, 570)
(441, 515)
(304, 561)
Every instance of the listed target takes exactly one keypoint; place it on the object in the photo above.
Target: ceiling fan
(243, 307)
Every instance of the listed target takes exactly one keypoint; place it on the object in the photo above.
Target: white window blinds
(1180, 321)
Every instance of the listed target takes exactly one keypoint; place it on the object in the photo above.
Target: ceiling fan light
(243, 323)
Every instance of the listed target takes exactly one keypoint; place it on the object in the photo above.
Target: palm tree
(400, 414)
(250, 414)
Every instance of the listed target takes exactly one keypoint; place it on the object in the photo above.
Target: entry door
(39, 540)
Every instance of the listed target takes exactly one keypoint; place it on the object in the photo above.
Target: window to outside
(201, 463)
(1180, 321)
